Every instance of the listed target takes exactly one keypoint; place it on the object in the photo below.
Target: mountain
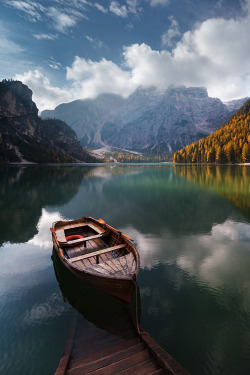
(86, 117)
(229, 144)
(234, 105)
(149, 120)
(26, 137)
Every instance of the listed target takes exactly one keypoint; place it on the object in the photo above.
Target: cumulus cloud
(215, 54)
(44, 94)
(91, 78)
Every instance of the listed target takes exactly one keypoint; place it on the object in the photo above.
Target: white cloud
(154, 3)
(44, 95)
(31, 9)
(96, 43)
(101, 8)
(62, 21)
(64, 16)
(92, 78)
(215, 54)
(123, 11)
(133, 6)
(169, 36)
(118, 10)
(45, 36)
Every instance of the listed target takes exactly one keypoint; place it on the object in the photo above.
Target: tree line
(229, 144)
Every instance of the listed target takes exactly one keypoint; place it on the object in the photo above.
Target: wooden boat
(98, 254)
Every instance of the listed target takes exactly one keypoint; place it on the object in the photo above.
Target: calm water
(191, 226)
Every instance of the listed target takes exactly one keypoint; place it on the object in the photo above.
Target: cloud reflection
(43, 237)
(214, 258)
(41, 313)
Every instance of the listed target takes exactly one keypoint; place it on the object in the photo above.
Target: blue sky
(66, 50)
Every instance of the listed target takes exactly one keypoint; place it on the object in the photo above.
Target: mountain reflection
(26, 190)
(230, 182)
(150, 200)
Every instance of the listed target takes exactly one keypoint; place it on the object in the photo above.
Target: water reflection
(191, 227)
(25, 190)
(151, 199)
(99, 308)
(230, 182)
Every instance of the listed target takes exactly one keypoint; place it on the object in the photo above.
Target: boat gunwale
(129, 246)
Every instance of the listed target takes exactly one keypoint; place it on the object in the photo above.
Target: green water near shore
(191, 226)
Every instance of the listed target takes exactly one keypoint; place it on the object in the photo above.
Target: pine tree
(246, 153)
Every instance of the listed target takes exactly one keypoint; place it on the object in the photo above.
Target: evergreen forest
(229, 144)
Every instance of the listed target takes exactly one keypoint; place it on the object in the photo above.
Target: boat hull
(121, 288)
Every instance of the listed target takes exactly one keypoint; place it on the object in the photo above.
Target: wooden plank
(60, 232)
(67, 350)
(121, 365)
(113, 264)
(60, 235)
(93, 347)
(130, 259)
(107, 360)
(99, 252)
(110, 270)
(97, 268)
(103, 353)
(161, 371)
(122, 332)
(96, 228)
(163, 358)
(143, 368)
(126, 263)
(85, 239)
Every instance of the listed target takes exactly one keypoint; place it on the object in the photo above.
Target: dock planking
(97, 351)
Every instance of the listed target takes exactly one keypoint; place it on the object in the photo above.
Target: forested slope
(229, 144)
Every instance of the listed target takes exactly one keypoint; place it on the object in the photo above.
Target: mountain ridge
(149, 119)
(24, 137)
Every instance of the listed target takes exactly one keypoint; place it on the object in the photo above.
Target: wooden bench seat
(85, 239)
(60, 233)
(96, 253)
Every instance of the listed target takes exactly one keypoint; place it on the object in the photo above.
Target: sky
(76, 49)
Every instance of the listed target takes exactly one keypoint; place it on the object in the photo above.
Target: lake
(191, 226)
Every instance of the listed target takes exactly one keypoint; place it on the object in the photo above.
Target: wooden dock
(105, 337)
(94, 351)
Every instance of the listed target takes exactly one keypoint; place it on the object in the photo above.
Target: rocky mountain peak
(26, 137)
(147, 120)
(16, 99)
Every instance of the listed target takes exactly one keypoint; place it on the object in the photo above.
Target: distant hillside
(149, 121)
(229, 144)
(26, 137)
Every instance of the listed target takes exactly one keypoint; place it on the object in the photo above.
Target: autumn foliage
(229, 144)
